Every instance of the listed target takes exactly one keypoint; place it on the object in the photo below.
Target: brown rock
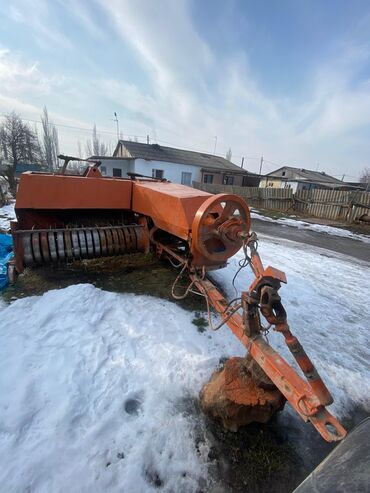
(233, 396)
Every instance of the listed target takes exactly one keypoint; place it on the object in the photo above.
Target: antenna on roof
(115, 119)
(214, 149)
(261, 164)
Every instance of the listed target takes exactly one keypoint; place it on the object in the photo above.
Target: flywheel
(219, 226)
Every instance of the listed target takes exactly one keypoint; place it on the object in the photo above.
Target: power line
(73, 127)
(144, 137)
(349, 176)
(240, 156)
(79, 128)
(274, 164)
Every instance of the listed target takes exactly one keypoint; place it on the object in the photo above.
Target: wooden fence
(329, 204)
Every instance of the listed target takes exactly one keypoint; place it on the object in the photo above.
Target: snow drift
(7, 214)
(92, 392)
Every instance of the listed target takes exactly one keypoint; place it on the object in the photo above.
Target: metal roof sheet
(308, 175)
(156, 152)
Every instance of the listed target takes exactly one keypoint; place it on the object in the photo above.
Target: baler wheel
(217, 226)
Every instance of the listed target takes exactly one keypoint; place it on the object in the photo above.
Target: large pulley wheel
(219, 226)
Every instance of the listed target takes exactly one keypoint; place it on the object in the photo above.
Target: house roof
(357, 184)
(113, 158)
(308, 175)
(157, 152)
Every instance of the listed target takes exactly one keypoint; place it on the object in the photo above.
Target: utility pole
(261, 164)
(117, 124)
(214, 150)
(242, 162)
(148, 139)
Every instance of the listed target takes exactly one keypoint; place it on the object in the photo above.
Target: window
(228, 180)
(283, 173)
(245, 181)
(157, 173)
(117, 172)
(103, 170)
(207, 178)
(185, 178)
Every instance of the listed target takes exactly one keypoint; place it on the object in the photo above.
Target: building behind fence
(339, 205)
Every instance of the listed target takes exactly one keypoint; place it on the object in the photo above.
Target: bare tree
(79, 150)
(18, 143)
(50, 141)
(229, 154)
(365, 175)
(95, 147)
(4, 191)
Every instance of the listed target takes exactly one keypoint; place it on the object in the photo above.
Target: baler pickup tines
(44, 246)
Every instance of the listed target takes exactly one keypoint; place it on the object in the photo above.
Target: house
(176, 165)
(358, 185)
(301, 179)
(115, 166)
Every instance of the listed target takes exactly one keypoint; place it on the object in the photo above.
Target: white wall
(293, 185)
(172, 171)
(123, 164)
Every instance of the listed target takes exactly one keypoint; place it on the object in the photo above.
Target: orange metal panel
(47, 191)
(171, 206)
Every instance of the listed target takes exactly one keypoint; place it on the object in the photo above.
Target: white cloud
(36, 15)
(164, 38)
(179, 63)
(80, 11)
(25, 89)
(17, 77)
(191, 93)
(341, 98)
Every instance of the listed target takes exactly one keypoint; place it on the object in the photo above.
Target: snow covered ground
(90, 378)
(94, 385)
(7, 214)
(319, 228)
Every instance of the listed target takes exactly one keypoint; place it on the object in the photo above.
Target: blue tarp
(6, 253)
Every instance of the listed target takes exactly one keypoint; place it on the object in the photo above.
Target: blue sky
(289, 80)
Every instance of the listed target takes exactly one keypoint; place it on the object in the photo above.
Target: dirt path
(346, 246)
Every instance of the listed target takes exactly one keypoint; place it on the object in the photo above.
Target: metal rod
(56, 230)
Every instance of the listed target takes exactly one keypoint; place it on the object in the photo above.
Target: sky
(287, 80)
